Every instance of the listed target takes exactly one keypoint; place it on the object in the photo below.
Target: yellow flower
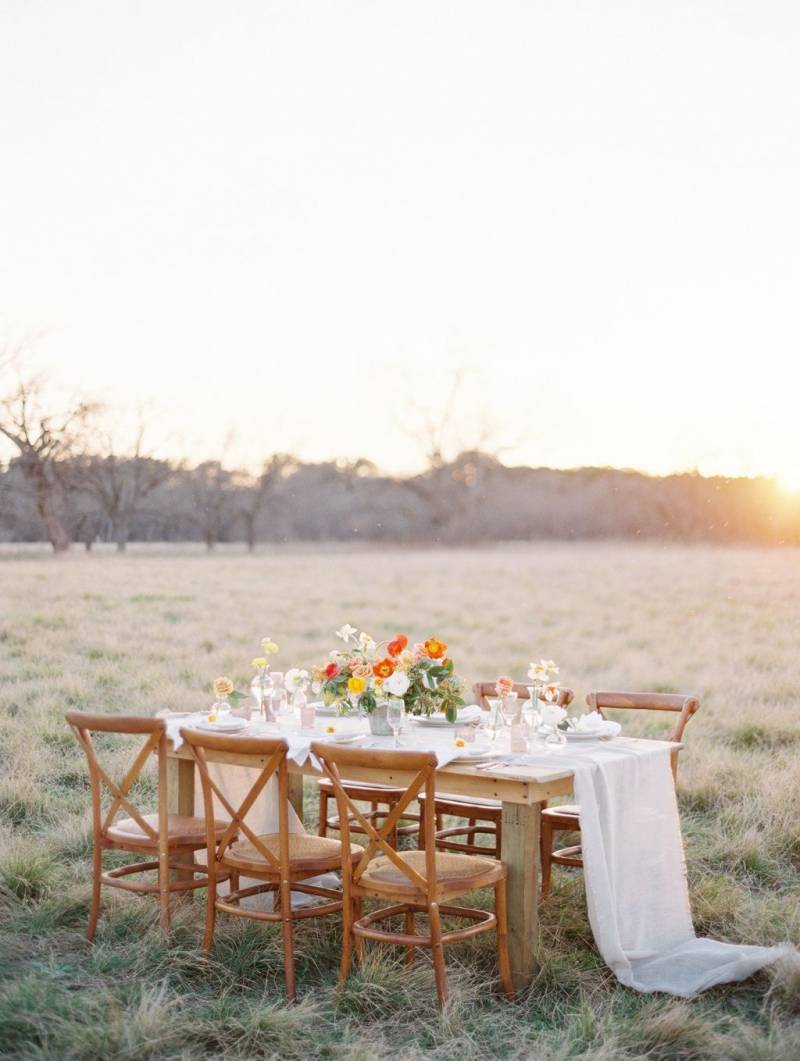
(268, 647)
(356, 685)
(460, 742)
(223, 686)
(212, 717)
(330, 729)
(259, 663)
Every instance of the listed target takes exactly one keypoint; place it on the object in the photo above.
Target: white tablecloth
(634, 870)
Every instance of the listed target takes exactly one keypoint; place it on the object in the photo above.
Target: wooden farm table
(522, 800)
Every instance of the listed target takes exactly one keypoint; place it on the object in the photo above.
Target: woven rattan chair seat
(305, 851)
(568, 810)
(452, 870)
(181, 829)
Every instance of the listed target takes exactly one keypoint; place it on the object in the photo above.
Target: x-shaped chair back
(153, 729)
(423, 767)
(270, 755)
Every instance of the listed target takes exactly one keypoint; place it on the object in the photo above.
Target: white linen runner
(637, 895)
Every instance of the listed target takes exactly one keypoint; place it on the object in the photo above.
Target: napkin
(593, 722)
(470, 713)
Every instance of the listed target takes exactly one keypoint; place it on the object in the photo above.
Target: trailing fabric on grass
(636, 888)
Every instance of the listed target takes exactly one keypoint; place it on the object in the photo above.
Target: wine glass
(395, 710)
(495, 719)
(510, 706)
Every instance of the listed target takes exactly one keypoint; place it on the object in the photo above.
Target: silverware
(494, 764)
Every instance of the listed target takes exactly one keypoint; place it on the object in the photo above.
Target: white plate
(223, 727)
(343, 738)
(468, 756)
(432, 720)
(573, 734)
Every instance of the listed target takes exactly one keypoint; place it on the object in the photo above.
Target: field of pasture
(151, 629)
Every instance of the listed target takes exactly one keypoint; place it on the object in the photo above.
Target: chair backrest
(678, 703)
(270, 755)
(83, 726)
(423, 767)
(482, 691)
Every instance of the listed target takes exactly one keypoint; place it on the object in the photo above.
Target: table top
(525, 785)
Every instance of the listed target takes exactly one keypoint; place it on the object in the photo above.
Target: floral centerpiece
(366, 672)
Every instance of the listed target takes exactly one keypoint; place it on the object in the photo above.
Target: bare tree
(253, 495)
(212, 492)
(45, 442)
(120, 483)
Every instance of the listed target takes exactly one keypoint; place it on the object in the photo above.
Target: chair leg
(322, 829)
(359, 942)
(501, 911)
(409, 928)
(498, 839)
(211, 912)
(393, 837)
(438, 953)
(288, 941)
(546, 855)
(163, 888)
(94, 913)
(348, 916)
(233, 885)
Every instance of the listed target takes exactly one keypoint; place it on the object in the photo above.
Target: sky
(292, 226)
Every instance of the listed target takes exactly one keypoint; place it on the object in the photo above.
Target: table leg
(180, 796)
(521, 855)
(296, 794)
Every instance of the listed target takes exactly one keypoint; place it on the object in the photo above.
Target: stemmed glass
(495, 720)
(509, 706)
(279, 701)
(395, 710)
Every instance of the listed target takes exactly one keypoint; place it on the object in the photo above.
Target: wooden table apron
(522, 801)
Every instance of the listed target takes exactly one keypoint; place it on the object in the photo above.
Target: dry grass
(150, 630)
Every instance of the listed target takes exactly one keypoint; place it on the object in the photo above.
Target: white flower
(552, 714)
(296, 678)
(346, 632)
(549, 663)
(538, 672)
(366, 644)
(397, 684)
(551, 691)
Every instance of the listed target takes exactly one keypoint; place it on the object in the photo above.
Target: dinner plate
(340, 738)
(433, 720)
(233, 726)
(574, 734)
(468, 756)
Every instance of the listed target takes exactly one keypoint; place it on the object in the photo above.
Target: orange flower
(394, 648)
(384, 668)
(504, 686)
(435, 649)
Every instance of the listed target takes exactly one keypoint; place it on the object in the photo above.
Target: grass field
(150, 631)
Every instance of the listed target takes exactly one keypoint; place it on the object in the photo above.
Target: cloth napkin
(593, 722)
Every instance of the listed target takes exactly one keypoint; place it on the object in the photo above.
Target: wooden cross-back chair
(484, 816)
(414, 882)
(164, 835)
(283, 861)
(566, 818)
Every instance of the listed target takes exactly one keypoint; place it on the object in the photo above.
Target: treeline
(472, 499)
